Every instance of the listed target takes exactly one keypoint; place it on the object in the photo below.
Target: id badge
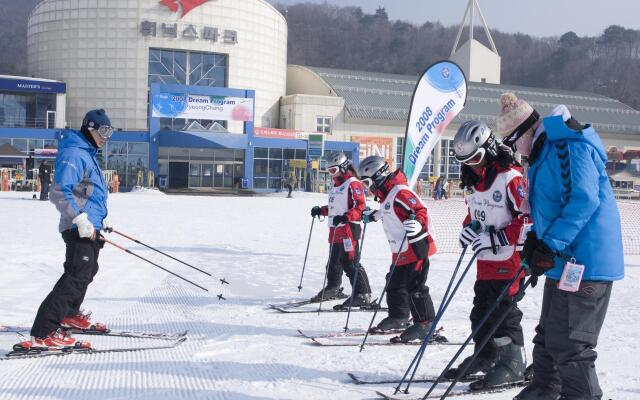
(348, 244)
(571, 276)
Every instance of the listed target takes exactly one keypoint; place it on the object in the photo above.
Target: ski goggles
(474, 159)
(333, 170)
(368, 183)
(521, 130)
(104, 131)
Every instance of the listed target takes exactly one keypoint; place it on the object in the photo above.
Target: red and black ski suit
(498, 202)
(346, 198)
(407, 293)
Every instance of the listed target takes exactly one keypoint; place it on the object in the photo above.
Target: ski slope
(236, 349)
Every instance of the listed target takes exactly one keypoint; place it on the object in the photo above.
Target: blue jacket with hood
(572, 204)
(78, 184)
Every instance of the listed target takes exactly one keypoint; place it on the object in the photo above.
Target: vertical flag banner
(439, 96)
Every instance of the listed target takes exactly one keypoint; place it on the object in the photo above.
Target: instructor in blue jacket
(576, 230)
(80, 195)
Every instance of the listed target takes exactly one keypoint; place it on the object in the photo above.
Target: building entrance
(178, 175)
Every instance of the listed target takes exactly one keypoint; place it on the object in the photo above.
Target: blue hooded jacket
(572, 204)
(78, 185)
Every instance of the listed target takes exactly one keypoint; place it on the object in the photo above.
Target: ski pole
(444, 303)
(487, 337)
(386, 285)
(304, 264)
(355, 278)
(326, 271)
(152, 263)
(109, 230)
(475, 332)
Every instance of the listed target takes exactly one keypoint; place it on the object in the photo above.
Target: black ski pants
(408, 294)
(564, 346)
(486, 294)
(339, 261)
(66, 297)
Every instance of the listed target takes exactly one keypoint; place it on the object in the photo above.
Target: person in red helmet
(405, 222)
(344, 211)
(493, 229)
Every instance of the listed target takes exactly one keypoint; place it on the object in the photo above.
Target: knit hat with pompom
(516, 117)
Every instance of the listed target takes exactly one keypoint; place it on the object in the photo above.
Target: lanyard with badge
(571, 276)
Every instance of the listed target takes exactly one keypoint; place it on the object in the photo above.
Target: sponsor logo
(502, 271)
(413, 201)
(445, 72)
(358, 192)
(342, 189)
(331, 199)
(497, 196)
(85, 258)
(182, 7)
(387, 206)
(521, 192)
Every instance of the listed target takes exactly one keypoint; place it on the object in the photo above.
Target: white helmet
(473, 141)
(373, 171)
(337, 161)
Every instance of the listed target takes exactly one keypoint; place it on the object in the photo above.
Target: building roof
(372, 95)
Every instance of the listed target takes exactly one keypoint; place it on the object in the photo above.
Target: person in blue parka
(80, 195)
(575, 221)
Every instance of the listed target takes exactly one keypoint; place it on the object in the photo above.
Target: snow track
(237, 349)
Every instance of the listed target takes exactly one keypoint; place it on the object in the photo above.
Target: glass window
(138, 148)
(260, 152)
(260, 168)
(207, 69)
(301, 154)
(50, 144)
(239, 156)
(260, 183)
(21, 144)
(275, 152)
(26, 110)
(289, 154)
(323, 124)
(224, 155)
(275, 168)
(399, 151)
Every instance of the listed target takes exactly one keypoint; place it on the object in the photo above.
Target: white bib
(339, 201)
(491, 208)
(392, 225)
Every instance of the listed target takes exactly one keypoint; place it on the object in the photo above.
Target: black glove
(529, 244)
(339, 219)
(540, 259)
(316, 211)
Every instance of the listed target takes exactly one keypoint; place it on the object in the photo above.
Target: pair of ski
(354, 338)
(431, 379)
(175, 339)
(294, 307)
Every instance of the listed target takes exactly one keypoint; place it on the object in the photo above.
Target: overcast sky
(533, 17)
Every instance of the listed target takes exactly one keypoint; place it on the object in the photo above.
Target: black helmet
(337, 160)
(373, 171)
(473, 140)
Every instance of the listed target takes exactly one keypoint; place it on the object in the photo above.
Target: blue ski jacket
(572, 204)
(78, 185)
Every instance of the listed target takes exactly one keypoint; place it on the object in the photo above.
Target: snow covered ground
(236, 349)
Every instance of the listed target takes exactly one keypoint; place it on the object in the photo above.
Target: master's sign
(438, 97)
(181, 105)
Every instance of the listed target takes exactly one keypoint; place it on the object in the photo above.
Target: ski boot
(328, 293)
(389, 325)
(480, 365)
(416, 332)
(82, 322)
(539, 391)
(362, 300)
(509, 367)
(56, 340)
